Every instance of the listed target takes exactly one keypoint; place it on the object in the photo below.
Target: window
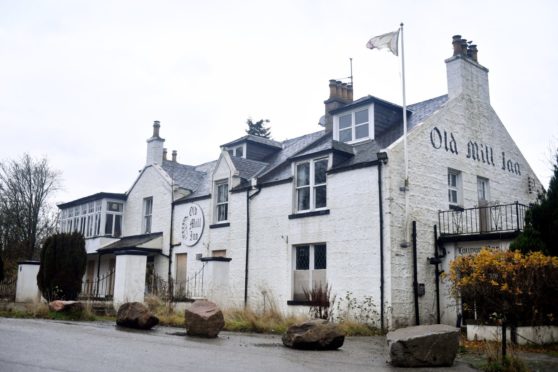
(483, 189)
(310, 263)
(237, 151)
(311, 190)
(86, 219)
(454, 187)
(222, 204)
(113, 219)
(354, 126)
(147, 213)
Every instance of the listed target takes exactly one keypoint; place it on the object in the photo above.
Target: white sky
(81, 82)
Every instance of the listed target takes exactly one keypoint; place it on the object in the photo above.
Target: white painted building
(269, 219)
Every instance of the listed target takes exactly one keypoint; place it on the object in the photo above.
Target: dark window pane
(303, 174)
(239, 151)
(320, 168)
(108, 224)
(117, 225)
(303, 196)
(303, 258)
(223, 193)
(361, 117)
(320, 261)
(222, 211)
(345, 135)
(361, 131)
(320, 196)
(345, 121)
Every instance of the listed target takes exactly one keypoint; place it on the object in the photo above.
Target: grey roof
(422, 110)
(186, 176)
(247, 168)
(257, 139)
(89, 198)
(131, 242)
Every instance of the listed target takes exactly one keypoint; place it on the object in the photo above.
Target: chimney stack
(155, 151)
(340, 94)
(174, 156)
(465, 74)
(165, 154)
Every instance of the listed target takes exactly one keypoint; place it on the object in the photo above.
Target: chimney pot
(472, 52)
(332, 88)
(456, 45)
(165, 154)
(156, 126)
(339, 91)
(174, 156)
(464, 47)
(350, 92)
(345, 93)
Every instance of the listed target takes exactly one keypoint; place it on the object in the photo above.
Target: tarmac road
(46, 345)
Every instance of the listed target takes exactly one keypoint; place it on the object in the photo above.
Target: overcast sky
(81, 82)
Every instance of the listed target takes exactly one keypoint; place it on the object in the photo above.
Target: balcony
(491, 221)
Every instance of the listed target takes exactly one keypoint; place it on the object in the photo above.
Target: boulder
(135, 315)
(315, 334)
(65, 306)
(204, 319)
(423, 346)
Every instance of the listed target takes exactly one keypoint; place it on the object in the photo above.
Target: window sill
(219, 225)
(322, 212)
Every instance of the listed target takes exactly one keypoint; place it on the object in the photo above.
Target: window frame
(219, 203)
(311, 267)
(312, 185)
(147, 215)
(457, 188)
(354, 125)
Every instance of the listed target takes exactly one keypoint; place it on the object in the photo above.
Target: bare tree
(26, 216)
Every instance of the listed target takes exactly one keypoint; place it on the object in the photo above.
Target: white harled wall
(462, 119)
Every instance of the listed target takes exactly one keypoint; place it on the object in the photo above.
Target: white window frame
(484, 184)
(312, 186)
(116, 214)
(353, 127)
(233, 151)
(313, 274)
(455, 187)
(221, 203)
(147, 215)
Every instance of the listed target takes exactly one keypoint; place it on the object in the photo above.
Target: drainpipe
(437, 273)
(248, 198)
(382, 157)
(415, 270)
(171, 230)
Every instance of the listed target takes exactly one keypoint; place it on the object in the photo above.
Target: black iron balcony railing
(483, 220)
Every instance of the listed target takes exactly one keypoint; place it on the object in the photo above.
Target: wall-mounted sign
(480, 152)
(192, 225)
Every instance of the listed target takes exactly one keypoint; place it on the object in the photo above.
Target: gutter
(382, 159)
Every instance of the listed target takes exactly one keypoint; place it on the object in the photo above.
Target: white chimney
(465, 75)
(155, 148)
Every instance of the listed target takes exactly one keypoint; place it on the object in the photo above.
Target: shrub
(321, 301)
(63, 261)
(507, 285)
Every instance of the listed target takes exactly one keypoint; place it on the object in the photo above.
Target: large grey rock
(423, 346)
(204, 319)
(135, 315)
(314, 335)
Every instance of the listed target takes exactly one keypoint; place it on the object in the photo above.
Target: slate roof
(131, 242)
(422, 110)
(97, 196)
(247, 168)
(257, 139)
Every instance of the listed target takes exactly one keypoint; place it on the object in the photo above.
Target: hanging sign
(192, 225)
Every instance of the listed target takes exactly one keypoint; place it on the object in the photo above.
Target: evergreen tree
(258, 128)
(541, 221)
(63, 261)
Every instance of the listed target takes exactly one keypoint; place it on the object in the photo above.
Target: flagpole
(406, 183)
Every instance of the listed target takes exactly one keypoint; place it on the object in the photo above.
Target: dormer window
(354, 126)
(237, 151)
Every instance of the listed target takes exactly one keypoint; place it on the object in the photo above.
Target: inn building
(269, 220)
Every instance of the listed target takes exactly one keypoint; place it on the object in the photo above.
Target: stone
(65, 306)
(423, 346)
(135, 315)
(315, 334)
(204, 319)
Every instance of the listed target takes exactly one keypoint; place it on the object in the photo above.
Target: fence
(98, 289)
(483, 219)
(8, 289)
(184, 290)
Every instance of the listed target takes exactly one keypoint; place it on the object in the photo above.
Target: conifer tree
(257, 128)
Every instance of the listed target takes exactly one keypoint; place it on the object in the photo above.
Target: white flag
(389, 40)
